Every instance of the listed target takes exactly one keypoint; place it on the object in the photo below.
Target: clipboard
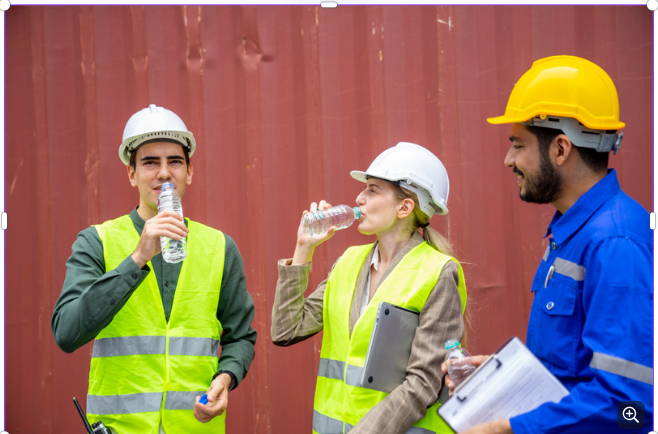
(510, 382)
(389, 349)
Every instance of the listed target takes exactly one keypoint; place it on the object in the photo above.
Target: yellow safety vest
(339, 400)
(144, 370)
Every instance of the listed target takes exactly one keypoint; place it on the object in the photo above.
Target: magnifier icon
(629, 414)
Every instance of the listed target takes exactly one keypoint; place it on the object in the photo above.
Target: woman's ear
(405, 208)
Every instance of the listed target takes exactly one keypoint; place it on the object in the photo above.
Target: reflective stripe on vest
(124, 404)
(353, 375)
(141, 402)
(333, 369)
(182, 400)
(325, 425)
(183, 346)
(144, 370)
(418, 430)
(141, 345)
(129, 346)
(339, 401)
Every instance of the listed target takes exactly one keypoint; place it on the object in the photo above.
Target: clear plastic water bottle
(459, 363)
(341, 216)
(172, 250)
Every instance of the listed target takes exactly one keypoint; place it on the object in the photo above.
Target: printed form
(511, 382)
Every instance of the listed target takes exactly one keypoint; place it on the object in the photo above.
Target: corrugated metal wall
(284, 101)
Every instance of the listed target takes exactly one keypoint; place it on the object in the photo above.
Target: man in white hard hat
(590, 323)
(157, 326)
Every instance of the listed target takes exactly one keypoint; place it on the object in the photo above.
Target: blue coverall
(591, 322)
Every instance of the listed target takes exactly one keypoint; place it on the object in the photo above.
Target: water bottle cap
(357, 212)
(452, 343)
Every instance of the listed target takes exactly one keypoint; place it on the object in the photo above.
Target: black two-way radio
(96, 427)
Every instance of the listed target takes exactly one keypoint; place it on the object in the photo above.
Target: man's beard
(545, 186)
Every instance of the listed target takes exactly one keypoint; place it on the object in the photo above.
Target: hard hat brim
(125, 150)
(498, 120)
(504, 119)
(359, 175)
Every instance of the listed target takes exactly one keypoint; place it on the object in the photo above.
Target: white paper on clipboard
(511, 382)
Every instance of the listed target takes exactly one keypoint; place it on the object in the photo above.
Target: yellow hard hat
(565, 86)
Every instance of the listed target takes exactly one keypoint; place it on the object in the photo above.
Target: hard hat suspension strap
(424, 199)
(169, 136)
(579, 134)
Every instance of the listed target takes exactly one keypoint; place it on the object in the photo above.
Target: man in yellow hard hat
(590, 323)
(157, 326)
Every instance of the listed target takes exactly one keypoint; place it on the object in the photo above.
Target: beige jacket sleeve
(294, 318)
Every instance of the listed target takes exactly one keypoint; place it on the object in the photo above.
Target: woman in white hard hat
(405, 186)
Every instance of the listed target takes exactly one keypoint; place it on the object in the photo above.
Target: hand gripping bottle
(172, 250)
(341, 216)
(460, 366)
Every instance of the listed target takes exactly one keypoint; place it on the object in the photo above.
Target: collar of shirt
(564, 226)
(375, 259)
(138, 222)
(365, 298)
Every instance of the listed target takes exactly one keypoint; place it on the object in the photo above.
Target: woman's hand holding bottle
(306, 243)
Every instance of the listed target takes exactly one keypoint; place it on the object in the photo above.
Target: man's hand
(475, 360)
(217, 399)
(166, 224)
(500, 426)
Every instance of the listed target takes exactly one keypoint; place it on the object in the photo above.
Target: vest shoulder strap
(354, 254)
(123, 223)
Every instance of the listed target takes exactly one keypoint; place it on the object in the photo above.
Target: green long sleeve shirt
(91, 296)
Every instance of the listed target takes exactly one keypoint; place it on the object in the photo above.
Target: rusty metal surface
(284, 101)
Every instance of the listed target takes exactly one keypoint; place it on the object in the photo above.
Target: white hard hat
(416, 169)
(154, 123)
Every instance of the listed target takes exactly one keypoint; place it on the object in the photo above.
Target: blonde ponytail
(435, 240)
(422, 220)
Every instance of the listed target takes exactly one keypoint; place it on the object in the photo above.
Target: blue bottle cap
(204, 399)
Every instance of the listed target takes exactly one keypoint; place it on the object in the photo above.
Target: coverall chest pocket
(558, 326)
